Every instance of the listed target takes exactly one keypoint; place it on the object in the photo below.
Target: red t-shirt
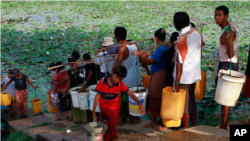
(109, 94)
(61, 77)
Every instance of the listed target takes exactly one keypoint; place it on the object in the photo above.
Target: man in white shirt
(10, 89)
(221, 18)
(188, 66)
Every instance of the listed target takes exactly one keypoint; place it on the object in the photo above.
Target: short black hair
(75, 54)
(120, 71)
(71, 59)
(192, 24)
(161, 34)
(224, 9)
(59, 68)
(86, 56)
(181, 20)
(52, 65)
(121, 33)
(11, 71)
(174, 36)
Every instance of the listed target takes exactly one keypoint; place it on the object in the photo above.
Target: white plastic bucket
(74, 96)
(229, 87)
(216, 66)
(94, 134)
(92, 95)
(133, 106)
(83, 98)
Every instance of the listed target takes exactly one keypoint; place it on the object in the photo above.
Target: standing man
(221, 18)
(131, 63)
(188, 66)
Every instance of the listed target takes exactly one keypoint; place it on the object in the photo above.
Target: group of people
(180, 62)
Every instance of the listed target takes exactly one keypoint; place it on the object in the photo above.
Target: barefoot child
(107, 95)
(10, 89)
(21, 91)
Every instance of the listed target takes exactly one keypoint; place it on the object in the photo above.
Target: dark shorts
(190, 105)
(226, 66)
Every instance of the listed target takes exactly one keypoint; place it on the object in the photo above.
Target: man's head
(120, 72)
(86, 57)
(75, 55)
(10, 73)
(221, 14)
(16, 71)
(120, 33)
(181, 20)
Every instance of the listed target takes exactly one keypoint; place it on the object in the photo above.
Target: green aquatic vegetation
(35, 33)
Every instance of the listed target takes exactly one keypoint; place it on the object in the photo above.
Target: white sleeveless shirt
(223, 50)
(133, 71)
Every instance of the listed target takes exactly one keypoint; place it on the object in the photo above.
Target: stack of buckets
(172, 107)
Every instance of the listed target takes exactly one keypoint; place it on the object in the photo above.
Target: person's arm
(141, 108)
(87, 81)
(10, 81)
(179, 68)
(30, 83)
(229, 40)
(97, 97)
(143, 58)
(67, 86)
(145, 54)
(120, 57)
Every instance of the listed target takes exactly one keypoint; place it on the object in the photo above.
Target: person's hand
(141, 109)
(5, 87)
(146, 54)
(94, 115)
(148, 72)
(82, 89)
(35, 88)
(136, 53)
(177, 87)
(65, 94)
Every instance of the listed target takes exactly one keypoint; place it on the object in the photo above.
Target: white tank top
(133, 71)
(223, 50)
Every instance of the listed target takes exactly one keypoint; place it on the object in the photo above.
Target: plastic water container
(94, 131)
(5, 98)
(36, 105)
(200, 88)
(145, 80)
(171, 123)
(92, 94)
(229, 87)
(172, 104)
(51, 109)
(142, 96)
(74, 96)
(84, 102)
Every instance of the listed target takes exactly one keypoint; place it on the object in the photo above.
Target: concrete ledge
(208, 130)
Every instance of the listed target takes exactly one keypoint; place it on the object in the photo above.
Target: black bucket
(64, 103)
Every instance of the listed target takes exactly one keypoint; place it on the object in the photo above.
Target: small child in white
(10, 89)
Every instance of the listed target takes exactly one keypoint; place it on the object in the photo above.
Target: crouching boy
(107, 95)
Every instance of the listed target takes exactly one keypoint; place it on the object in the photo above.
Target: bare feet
(160, 128)
(150, 125)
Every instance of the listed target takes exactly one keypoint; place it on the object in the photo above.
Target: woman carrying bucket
(60, 82)
(158, 78)
(75, 78)
(21, 91)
